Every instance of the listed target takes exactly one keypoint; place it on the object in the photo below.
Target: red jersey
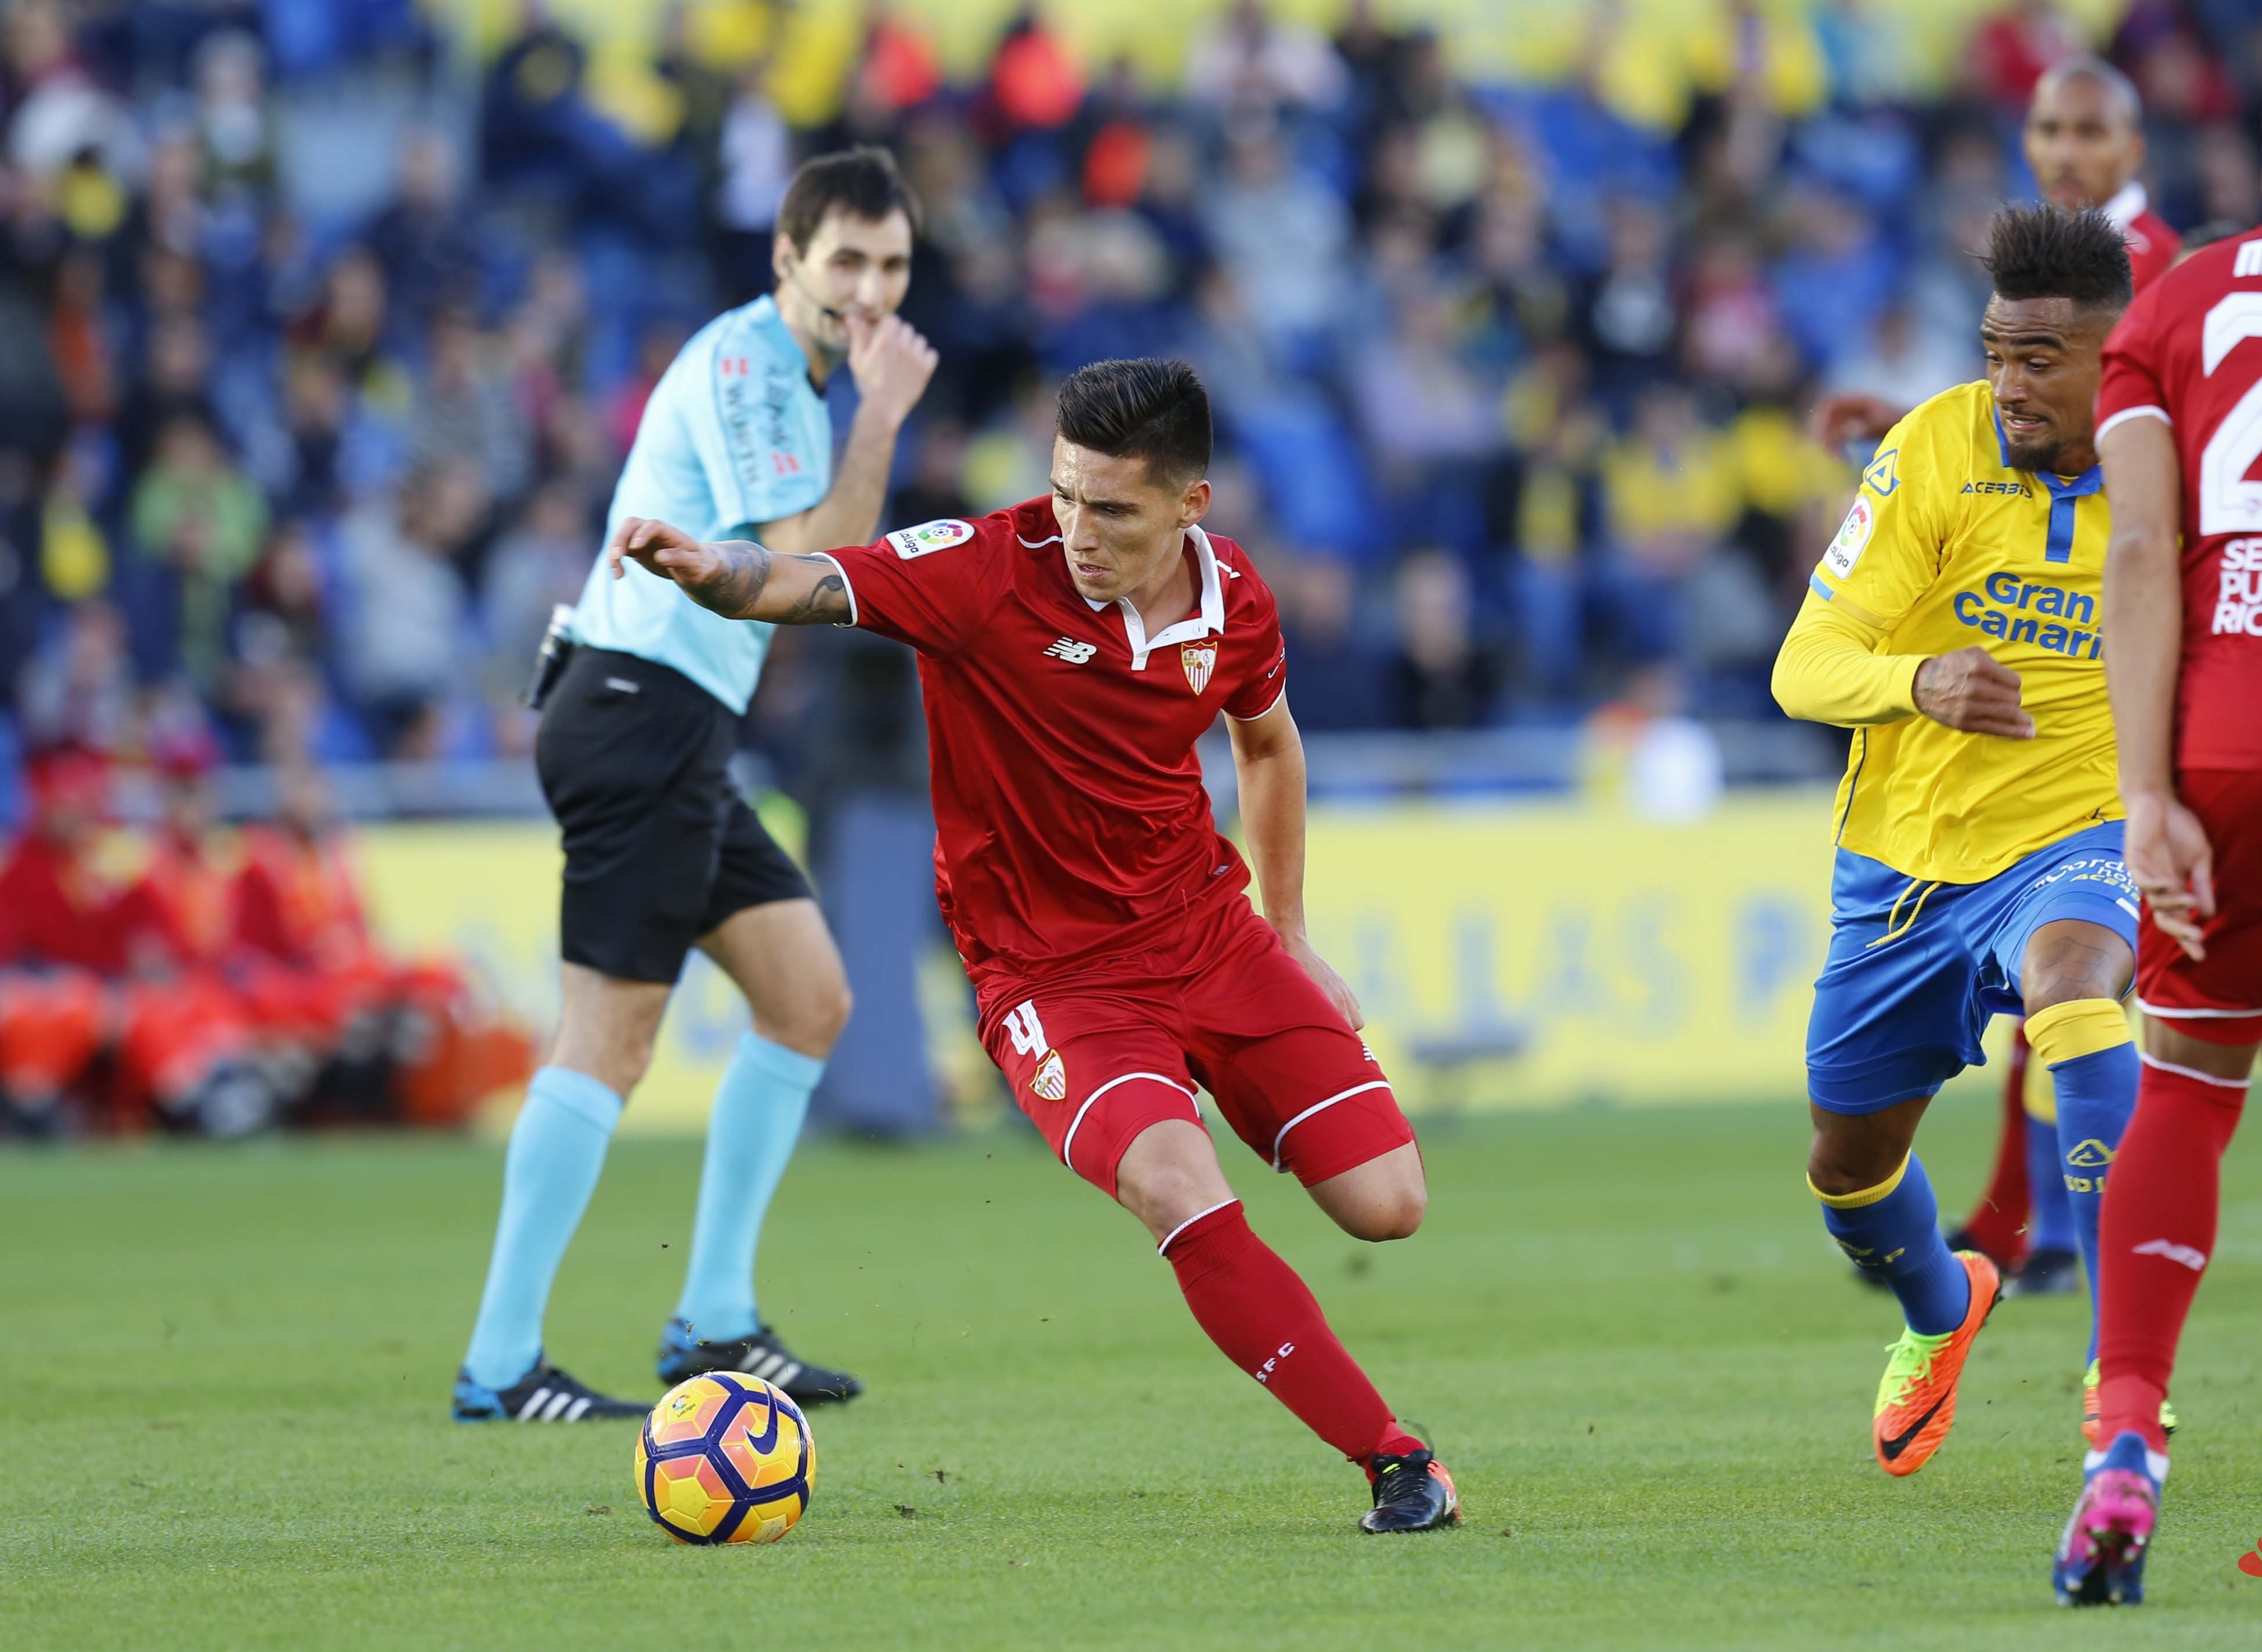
(2189, 352)
(1070, 820)
(2153, 242)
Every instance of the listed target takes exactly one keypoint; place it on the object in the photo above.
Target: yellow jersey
(1946, 546)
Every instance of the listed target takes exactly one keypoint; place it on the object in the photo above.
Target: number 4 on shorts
(1026, 1030)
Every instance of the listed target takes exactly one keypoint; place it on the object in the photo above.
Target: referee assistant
(661, 855)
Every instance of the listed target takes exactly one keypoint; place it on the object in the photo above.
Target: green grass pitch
(223, 1377)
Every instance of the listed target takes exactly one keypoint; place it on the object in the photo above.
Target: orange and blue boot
(1916, 1399)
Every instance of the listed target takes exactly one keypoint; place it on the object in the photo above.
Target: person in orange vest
(91, 968)
(191, 881)
(190, 878)
(409, 1040)
(55, 1007)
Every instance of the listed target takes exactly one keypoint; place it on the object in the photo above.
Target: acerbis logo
(2090, 1155)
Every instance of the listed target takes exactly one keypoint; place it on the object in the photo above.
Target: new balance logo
(2250, 261)
(1074, 652)
(2196, 1260)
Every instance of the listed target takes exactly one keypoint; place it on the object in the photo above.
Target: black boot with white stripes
(682, 1355)
(544, 1395)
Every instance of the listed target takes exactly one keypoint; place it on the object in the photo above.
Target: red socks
(1998, 1223)
(1265, 1320)
(2155, 1235)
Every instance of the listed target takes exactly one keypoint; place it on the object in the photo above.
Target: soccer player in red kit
(2178, 436)
(1072, 650)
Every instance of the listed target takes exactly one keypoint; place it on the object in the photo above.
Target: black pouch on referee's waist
(550, 659)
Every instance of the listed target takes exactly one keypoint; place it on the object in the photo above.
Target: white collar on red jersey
(1206, 619)
(2127, 207)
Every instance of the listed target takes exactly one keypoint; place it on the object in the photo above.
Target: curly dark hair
(2047, 252)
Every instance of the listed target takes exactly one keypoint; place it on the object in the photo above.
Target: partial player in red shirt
(2179, 432)
(1072, 650)
(2085, 144)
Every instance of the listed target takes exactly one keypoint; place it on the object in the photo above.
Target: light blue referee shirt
(733, 437)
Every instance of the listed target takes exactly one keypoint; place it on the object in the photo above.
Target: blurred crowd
(327, 333)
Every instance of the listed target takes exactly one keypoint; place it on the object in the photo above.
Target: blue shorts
(1917, 969)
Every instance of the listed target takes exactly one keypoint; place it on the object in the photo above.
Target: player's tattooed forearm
(748, 569)
(738, 586)
(827, 603)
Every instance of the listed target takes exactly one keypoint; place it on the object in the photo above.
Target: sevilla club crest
(1051, 1079)
(1199, 659)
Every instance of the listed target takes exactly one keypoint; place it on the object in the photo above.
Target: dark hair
(1150, 409)
(2047, 252)
(861, 181)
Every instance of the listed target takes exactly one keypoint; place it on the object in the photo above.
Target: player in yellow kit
(1953, 624)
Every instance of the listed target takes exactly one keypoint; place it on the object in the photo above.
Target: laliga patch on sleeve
(1853, 539)
(930, 537)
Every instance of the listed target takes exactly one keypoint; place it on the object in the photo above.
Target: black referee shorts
(658, 848)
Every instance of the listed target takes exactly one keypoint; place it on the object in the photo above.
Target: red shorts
(2217, 998)
(1096, 1056)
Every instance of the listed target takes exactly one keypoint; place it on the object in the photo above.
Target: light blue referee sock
(2093, 1065)
(1893, 1230)
(557, 1150)
(758, 1109)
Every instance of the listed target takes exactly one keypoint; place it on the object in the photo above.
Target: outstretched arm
(2167, 849)
(736, 578)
